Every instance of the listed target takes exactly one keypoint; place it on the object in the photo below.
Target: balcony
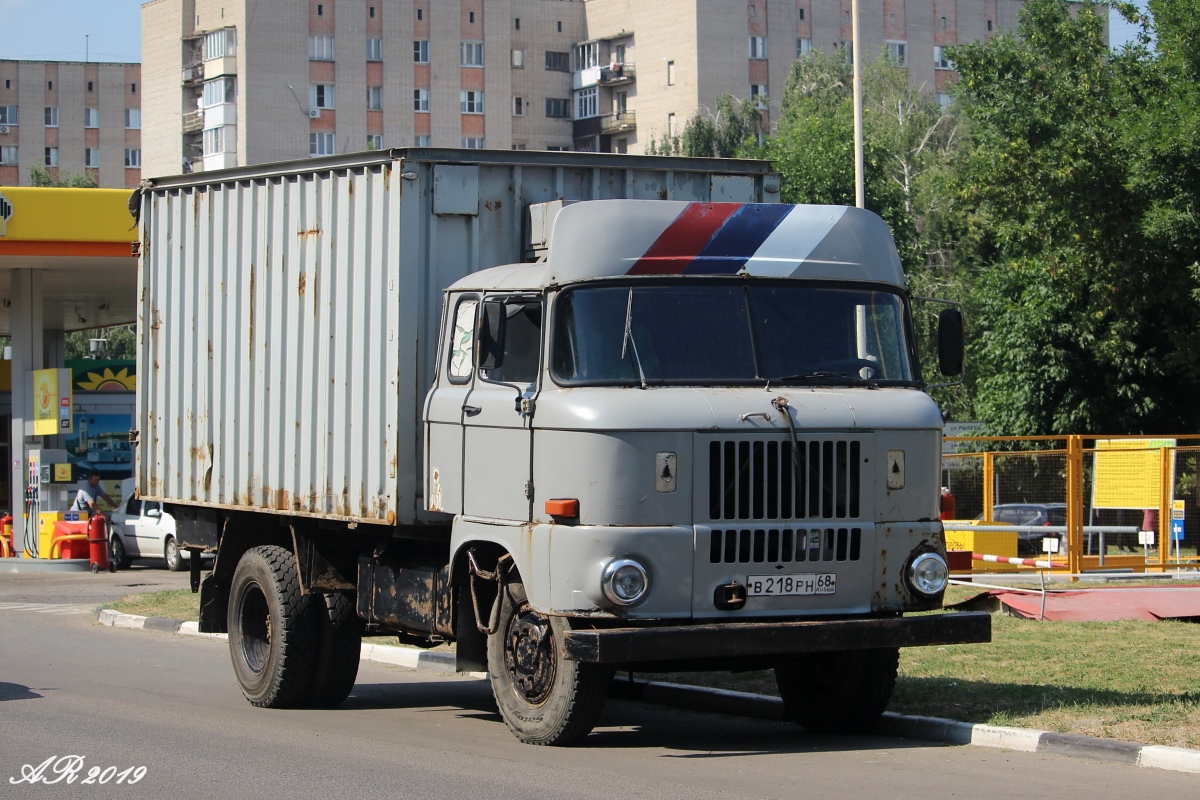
(193, 74)
(619, 122)
(193, 121)
(616, 74)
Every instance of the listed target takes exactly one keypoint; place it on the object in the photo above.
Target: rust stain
(210, 350)
(492, 205)
(350, 188)
(250, 338)
(282, 501)
(302, 284)
(199, 453)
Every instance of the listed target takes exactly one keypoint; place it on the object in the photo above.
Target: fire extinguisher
(98, 544)
(947, 507)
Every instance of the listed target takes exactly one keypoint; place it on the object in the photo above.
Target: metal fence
(1074, 503)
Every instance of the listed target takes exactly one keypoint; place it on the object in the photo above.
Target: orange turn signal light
(563, 507)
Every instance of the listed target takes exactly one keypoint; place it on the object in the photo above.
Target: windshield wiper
(627, 339)
(823, 376)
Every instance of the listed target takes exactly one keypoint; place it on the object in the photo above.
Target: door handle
(471, 411)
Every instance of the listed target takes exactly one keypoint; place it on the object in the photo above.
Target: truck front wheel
(844, 691)
(543, 698)
(273, 630)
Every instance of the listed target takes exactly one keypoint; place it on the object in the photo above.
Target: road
(122, 698)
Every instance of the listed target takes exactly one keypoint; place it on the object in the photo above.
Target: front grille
(784, 546)
(759, 479)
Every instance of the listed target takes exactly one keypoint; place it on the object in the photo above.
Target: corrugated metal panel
(289, 312)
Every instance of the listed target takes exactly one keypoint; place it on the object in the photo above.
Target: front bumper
(767, 639)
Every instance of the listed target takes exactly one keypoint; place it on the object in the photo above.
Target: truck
(573, 413)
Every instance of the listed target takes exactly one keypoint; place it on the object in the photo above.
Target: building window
(320, 95)
(518, 59)
(91, 157)
(372, 12)
(420, 13)
(558, 148)
(800, 12)
(897, 53)
(8, 115)
(670, 73)
(943, 23)
(51, 159)
(846, 49)
(91, 118)
(219, 44)
(587, 103)
(519, 106)
(214, 141)
(320, 10)
(320, 48)
(803, 47)
(470, 102)
(471, 54)
(49, 86)
(374, 98)
(560, 26)
(753, 12)
(471, 17)
(758, 93)
(320, 144)
(622, 146)
(587, 56)
(943, 101)
(51, 116)
(671, 129)
(420, 99)
(421, 52)
(519, 146)
(558, 62)
(518, 22)
(374, 49)
(989, 26)
(91, 86)
(374, 141)
(472, 142)
(219, 91)
(558, 108)
(421, 140)
(133, 119)
(133, 158)
(8, 155)
(758, 47)
(133, 88)
(940, 61)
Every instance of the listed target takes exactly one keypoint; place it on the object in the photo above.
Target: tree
(40, 176)
(735, 125)
(120, 343)
(1074, 214)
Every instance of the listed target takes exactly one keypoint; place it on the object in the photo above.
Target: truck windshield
(731, 334)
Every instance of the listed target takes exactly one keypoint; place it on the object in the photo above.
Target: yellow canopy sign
(52, 402)
(1128, 472)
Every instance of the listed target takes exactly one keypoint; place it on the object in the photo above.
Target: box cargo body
(289, 313)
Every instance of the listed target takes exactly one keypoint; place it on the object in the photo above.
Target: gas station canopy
(83, 242)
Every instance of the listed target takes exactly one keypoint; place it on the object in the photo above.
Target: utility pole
(856, 60)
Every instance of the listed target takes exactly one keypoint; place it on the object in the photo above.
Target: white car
(143, 530)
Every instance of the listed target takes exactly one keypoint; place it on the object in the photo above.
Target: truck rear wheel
(844, 691)
(544, 698)
(273, 633)
(339, 644)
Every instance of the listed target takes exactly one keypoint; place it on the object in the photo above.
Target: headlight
(928, 574)
(624, 581)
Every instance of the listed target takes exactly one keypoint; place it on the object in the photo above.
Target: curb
(724, 701)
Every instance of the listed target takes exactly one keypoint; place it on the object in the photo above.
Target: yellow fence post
(989, 484)
(1074, 504)
(1166, 459)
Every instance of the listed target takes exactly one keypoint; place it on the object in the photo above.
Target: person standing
(88, 496)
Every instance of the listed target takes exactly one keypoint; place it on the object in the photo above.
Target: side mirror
(489, 342)
(951, 339)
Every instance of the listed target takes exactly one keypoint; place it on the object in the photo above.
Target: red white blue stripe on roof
(605, 238)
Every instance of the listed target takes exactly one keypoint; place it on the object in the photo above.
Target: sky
(109, 30)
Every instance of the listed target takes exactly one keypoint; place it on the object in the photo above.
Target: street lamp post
(855, 61)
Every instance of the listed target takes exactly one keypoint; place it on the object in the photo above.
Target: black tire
(273, 629)
(845, 691)
(172, 556)
(117, 553)
(543, 698)
(339, 644)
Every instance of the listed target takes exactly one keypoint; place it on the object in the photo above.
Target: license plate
(791, 585)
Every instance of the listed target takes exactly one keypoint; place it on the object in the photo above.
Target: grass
(1131, 680)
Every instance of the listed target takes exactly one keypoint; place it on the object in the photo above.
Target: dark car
(1037, 514)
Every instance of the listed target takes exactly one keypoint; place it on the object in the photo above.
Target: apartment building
(234, 82)
(70, 117)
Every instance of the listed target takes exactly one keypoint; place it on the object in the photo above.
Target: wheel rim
(529, 656)
(118, 551)
(172, 553)
(254, 624)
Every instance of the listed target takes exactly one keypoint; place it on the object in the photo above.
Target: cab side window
(522, 344)
(462, 341)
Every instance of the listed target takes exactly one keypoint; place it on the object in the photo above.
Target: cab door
(497, 413)
(444, 406)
